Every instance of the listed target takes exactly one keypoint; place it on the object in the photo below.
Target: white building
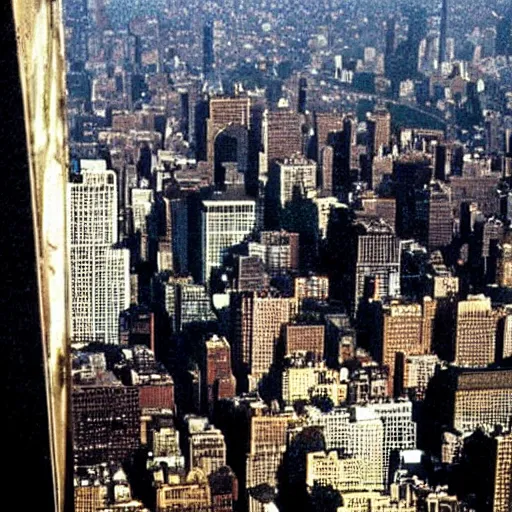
(378, 256)
(297, 172)
(142, 203)
(344, 474)
(371, 432)
(226, 219)
(324, 206)
(359, 433)
(100, 273)
(399, 428)
(207, 450)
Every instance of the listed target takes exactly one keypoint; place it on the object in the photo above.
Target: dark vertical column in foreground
(27, 463)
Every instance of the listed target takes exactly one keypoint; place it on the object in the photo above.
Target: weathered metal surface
(41, 58)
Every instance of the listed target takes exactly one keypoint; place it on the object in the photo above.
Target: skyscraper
(390, 45)
(208, 53)
(326, 163)
(267, 445)
(399, 430)
(357, 431)
(343, 473)
(439, 216)
(294, 174)
(283, 136)
(257, 320)
(503, 33)
(217, 379)
(303, 338)
(327, 125)
(379, 131)
(279, 251)
(475, 341)
(207, 450)
(114, 411)
(227, 134)
(403, 328)
(442, 162)
(100, 273)
(173, 243)
(466, 398)
(303, 91)
(491, 485)
(226, 219)
(442, 32)
(378, 256)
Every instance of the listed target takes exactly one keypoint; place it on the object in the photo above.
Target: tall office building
(170, 290)
(226, 219)
(504, 267)
(223, 490)
(465, 399)
(303, 95)
(378, 207)
(349, 152)
(227, 134)
(217, 378)
(311, 287)
(328, 126)
(399, 430)
(114, 411)
(342, 473)
(416, 371)
(507, 334)
(173, 243)
(279, 251)
(294, 174)
(208, 50)
(207, 450)
(100, 274)
(402, 328)
(390, 45)
(104, 487)
(249, 274)
(143, 223)
(304, 379)
(359, 432)
(367, 384)
(371, 433)
(304, 338)
(379, 131)
(508, 153)
(326, 163)
(257, 320)
(475, 336)
(502, 496)
(377, 257)
(442, 161)
(193, 305)
(141, 202)
(283, 135)
(443, 29)
(183, 492)
(493, 133)
(267, 445)
(434, 216)
(491, 484)
(493, 229)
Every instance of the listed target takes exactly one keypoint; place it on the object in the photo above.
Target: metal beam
(41, 58)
